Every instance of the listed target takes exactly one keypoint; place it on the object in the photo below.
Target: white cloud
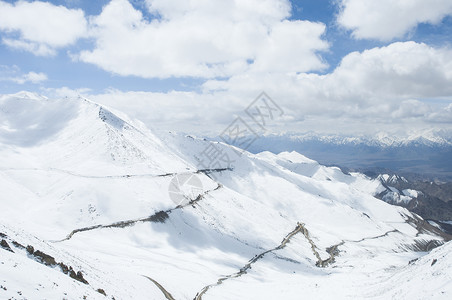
(411, 109)
(243, 48)
(185, 111)
(288, 52)
(65, 92)
(204, 39)
(32, 77)
(266, 11)
(401, 86)
(392, 84)
(442, 116)
(388, 19)
(40, 27)
(13, 74)
(35, 48)
(401, 70)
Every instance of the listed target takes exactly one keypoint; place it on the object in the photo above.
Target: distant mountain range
(423, 155)
(433, 138)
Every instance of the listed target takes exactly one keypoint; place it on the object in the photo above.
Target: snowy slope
(431, 272)
(89, 187)
(34, 269)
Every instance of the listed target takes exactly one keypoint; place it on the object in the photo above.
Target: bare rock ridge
(42, 258)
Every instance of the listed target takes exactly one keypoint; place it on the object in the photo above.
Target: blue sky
(172, 52)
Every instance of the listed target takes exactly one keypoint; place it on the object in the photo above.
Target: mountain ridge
(93, 194)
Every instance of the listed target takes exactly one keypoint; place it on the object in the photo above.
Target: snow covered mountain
(426, 154)
(96, 206)
(431, 200)
(431, 137)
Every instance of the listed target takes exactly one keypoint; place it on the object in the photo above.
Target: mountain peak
(84, 194)
(27, 95)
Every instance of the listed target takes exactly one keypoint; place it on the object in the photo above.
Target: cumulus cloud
(38, 49)
(185, 111)
(40, 27)
(65, 91)
(443, 115)
(32, 77)
(388, 19)
(411, 109)
(402, 70)
(374, 88)
(387, 88)
(203, 39)
(242, 48)
(13, 74)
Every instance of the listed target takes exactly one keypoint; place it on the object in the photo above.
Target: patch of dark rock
(413, 261)
(425, 246)
(122, 224)
(3, 235)
(74, 275)
(101, 291)
(49, 261)
(447, 228)
(423, 226)
(333, 251)
(160, 217)
(434, 262)
(77, 276)
(64, 268)
(4, 244)
(44, 258)
(18, 245)
(30, 249)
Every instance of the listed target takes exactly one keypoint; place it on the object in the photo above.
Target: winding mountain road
(159, 216)
(161, 288)
(245, 268)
